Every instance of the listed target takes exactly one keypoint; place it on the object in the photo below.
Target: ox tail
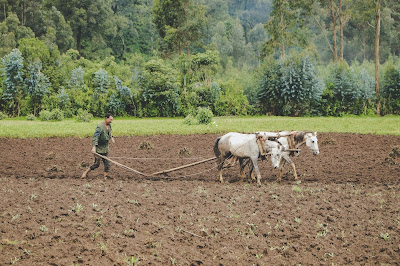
(217, 152)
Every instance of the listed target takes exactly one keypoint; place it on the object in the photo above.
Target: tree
(289, 86)
(160, 96)
(238, 42)
(87, 18)
(101, 83)
(220, 39)
(14, 82)
(179, 23)
(286, 25)
(37, 85)
(377, 36)
(321, 13)
(257, 37)
(63, 36)
(333, 16)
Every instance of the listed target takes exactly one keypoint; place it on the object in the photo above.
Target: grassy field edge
(21, 128)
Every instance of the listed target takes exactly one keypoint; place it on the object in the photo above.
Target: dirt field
(346, 210)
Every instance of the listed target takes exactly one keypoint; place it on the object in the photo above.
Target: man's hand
(94, 149)
(112, 140)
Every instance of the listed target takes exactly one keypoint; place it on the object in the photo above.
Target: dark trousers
(97, 160)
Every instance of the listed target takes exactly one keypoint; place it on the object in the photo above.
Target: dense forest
(149, 58)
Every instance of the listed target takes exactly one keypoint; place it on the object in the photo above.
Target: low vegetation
(20, 128)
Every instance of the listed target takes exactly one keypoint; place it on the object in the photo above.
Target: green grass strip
(20, 128)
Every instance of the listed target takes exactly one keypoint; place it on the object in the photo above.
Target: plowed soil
(345, 210)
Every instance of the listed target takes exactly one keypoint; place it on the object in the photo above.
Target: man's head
(108, 118)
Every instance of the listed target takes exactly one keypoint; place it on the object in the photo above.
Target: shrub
(84, 116)
(190, 120)
(391, 89)
(45, 115)
(57, 114)
(2, 116)
(30, 117)
(204, 115)
(290, 86)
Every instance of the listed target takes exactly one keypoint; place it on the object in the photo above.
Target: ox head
(275, 150)
(312, 142)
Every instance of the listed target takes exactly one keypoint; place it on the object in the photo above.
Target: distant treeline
(168, 58)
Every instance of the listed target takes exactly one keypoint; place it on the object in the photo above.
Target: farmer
(100, 145)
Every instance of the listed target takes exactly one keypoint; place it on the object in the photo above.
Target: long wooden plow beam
(183, 166)
(121, 165)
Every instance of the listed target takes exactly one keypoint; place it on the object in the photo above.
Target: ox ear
(282, 148)
(315, 133)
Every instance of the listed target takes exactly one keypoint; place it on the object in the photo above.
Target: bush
(204, 115)
(290, 86)
(2, 116)
(84, 116)
(45, 115)
(391, 90)
(190, 120)
(30, 117)
(57, 114)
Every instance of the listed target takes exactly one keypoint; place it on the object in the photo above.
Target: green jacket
(101, 137)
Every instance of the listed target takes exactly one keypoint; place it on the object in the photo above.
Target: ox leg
(255, 165)
(289, 161)
(220, 163)
(294, 170)
(251, 170)
(242, 163)
(281, 165)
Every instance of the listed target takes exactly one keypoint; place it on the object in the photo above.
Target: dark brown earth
(346, 210)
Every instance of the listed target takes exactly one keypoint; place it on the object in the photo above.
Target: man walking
(100, 140)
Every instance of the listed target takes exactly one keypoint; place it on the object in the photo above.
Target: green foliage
(37, 84)
(204, 115)
(13, 82)
(45, 115)
(286, 25)
(31, 117)
(391, 89)
(290, 86)
(55, 115)
(190, 120)
(232, 100)
(350, 92)
(2, 116)
(84, 116)
(160, 96)
(126, 59)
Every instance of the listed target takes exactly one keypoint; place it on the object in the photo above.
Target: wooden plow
(156, 173)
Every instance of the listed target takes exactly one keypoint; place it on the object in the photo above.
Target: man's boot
(107, 175)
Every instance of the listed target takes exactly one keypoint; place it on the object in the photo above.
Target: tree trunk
(282, 36)
(341, 30)
(334, 33)
(78, 40)
(377, 36)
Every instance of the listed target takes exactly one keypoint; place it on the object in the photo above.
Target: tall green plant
(14, 81)
(289, 86)
(391, 89)
(37, 85)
